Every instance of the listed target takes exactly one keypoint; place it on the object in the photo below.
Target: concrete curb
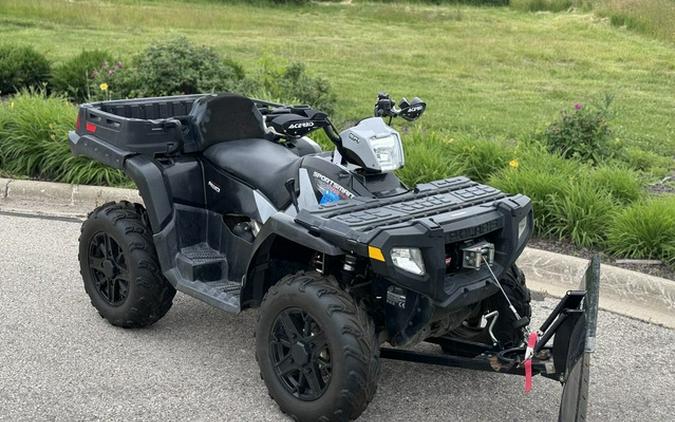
(622, 291)
(63, 194)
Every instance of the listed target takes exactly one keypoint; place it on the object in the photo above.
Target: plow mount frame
(571, 328)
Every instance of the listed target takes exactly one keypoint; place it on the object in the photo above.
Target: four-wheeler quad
(243, 210)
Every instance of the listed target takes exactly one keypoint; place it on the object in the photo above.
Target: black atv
(243, 210)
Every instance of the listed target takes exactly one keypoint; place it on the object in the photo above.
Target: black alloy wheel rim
(300, 354)
(109, 270)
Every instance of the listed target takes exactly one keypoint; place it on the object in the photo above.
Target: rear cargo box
(109, 131)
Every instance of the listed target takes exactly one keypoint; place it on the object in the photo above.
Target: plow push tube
(572, 325)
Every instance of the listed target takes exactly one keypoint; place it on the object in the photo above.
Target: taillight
(90, 127)
(77, 122)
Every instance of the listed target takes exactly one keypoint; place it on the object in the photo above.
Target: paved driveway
(60, 361)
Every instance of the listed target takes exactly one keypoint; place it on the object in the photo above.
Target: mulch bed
(666, 186)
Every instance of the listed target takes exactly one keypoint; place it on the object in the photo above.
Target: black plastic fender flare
(283, 225)
(150, 182)
(279, 225)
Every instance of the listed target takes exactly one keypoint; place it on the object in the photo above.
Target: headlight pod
(372, 145)
(522, 228)
(408, 259)
(388, 152)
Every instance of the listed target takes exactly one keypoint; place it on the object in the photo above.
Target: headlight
(522, 228)
(408, 259)
(388, 152)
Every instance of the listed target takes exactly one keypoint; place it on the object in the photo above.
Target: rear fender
(150, 182)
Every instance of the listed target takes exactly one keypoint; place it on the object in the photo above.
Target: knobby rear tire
(149, 295)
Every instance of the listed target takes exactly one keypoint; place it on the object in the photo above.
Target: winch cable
(526, 328)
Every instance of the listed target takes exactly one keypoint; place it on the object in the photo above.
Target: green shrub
(647, 161)
(540, 176)
(291, 1)
(645, 230)
(580, 214)
(621, 183)
(287, 82)
(33, 142)
(174, 67)
(582, 133)
(541, 5)
(538, 185)
(427, 159)
(21, 67)
(431, 156)
(74, 78)
(479, 159)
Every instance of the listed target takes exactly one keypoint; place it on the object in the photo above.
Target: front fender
(298, 244)
(283, 225)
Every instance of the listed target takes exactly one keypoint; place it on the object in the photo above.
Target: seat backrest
(221, 118)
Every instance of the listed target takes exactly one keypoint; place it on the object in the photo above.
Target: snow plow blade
(571, 328)
(574, 401)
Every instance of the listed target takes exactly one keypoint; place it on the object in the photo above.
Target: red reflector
(77, 122)
(90, 127)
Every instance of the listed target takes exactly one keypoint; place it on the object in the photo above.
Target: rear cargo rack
(111, 131)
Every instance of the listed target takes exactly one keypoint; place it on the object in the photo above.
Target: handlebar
(409, 110)
(294, 121)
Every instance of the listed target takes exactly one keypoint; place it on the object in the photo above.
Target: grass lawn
(485, 72)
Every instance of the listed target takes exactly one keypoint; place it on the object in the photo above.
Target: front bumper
(441, 238)
(439, 218)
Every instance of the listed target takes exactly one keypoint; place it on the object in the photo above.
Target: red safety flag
(529, 352)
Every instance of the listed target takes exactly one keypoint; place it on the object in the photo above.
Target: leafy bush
(289, 82)
(582, 133)
(33, 142)
(621, 183)
(431, 156)
(479, 159)
(581, 214)
(647, 161)
(427, 159)
(645, 230)
(291, 1)
(21, 67)
(539, 175)
(541, 5)
(174, 67)
(571, 200)
(75, 77)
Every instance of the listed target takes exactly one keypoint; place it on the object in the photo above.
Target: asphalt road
(60, 361)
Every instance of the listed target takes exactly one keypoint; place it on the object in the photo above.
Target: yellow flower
(103, 86)
(513, 164)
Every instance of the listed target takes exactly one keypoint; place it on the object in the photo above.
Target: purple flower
(578, 106)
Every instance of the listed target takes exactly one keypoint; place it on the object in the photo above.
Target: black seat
(262, 164)
(222, 118)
